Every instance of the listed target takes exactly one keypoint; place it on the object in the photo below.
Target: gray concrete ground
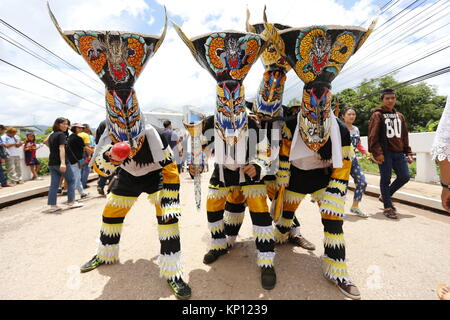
(40, 254)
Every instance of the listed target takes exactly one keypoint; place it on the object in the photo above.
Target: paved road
(40, 254)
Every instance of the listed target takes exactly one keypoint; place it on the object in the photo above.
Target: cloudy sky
(172, 78)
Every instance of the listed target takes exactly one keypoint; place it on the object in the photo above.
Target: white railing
(421, 145)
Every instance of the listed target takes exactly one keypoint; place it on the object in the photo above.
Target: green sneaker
(180, 288)
(91, 264)
(359, 213)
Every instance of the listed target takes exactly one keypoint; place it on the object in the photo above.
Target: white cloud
(172, 78)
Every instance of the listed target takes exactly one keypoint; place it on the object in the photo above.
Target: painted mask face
(315, 117)
(230, 116)
(270, 96)
(124, 118)
(118, 59)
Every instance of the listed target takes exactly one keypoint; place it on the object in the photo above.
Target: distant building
(157, 116)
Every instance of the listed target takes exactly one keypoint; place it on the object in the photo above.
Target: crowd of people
(72, 146)
(11, 148)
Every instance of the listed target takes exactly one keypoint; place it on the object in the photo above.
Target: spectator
(12, 143)
(59, 165)
(75, 147)
(389, 143)
(173, 140)
(3, 157)
(86, 136)
(30, 148)
(349, 116)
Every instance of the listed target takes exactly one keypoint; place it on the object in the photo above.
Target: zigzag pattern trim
(287, 223)
(254, 191)
(338, 185)
(280, 237)
(111, 230)
(233, 218)
(335, 269)
(108, 253)
(168, 231)
(217, 244)
(333, 240)
(348, 152)
(263, 234)
(334, 199)
(293, 197)
(171, 211)
(217, 193)
(265, 259)
(170, 265)
(216, 227)
(120, 201)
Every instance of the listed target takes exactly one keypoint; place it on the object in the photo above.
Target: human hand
(192, 170)
(445, 197)
(379, 159)
(409, 158)
(250, 170)
(62, 168)
(114, 162)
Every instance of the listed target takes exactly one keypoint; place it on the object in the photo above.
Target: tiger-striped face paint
(230, 116)
(124, 118)
(315, 117)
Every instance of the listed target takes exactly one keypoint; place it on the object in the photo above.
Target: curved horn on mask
(264, 15)
(185, 39)
(367, 34)
(248, 26)
(55, 22)
(273, 36)
(163, 35)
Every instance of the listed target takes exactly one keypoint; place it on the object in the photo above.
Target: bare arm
(62, 157)
(445, 178)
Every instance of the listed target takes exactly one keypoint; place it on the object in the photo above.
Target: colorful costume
(356, 172)
(228, 56)
(270, 111)
(316, 152)
(118, 58)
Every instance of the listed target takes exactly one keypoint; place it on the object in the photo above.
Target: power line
(359, 68)
(45, 97)
(409, 63)
(355, 63)
(408, 82)
(46, 49)
(37, 56)
(374, 38)
(55, 85)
